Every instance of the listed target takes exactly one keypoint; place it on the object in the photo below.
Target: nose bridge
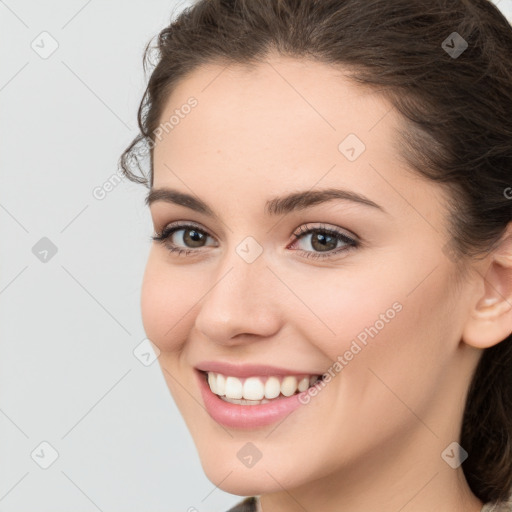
(240, 299)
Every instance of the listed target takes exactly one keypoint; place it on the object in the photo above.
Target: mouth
(254, 401)
(257, 390)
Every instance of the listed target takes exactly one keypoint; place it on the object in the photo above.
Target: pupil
(323, 240)
(196, 237)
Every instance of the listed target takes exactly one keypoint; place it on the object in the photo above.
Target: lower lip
(246, 416)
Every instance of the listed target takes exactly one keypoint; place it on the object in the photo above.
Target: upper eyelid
(182, 225)
(303, 229)
(173, 227)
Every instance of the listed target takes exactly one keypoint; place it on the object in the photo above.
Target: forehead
(281, 124)
(280, 96)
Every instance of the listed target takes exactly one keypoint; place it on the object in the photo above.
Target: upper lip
(247, 370)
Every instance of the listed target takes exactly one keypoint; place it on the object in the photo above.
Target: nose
(241, 302)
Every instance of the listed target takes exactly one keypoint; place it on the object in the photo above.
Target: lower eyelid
(349, 242)
(332, 253)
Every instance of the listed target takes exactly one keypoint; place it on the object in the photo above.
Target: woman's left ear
(490, 317)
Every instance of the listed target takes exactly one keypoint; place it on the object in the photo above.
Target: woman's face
(384, 316)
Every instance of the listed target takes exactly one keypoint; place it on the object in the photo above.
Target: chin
(243, 484)
(243, 481)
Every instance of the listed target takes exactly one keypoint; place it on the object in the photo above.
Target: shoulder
(246, 505)
(250, 504)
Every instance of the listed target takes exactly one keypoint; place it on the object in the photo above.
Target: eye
(325, 240)
(192, 237)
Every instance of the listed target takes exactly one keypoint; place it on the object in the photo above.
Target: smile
(249, 413)
(258, 390)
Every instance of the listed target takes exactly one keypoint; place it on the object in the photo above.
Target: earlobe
(489, 325)
(490, 319)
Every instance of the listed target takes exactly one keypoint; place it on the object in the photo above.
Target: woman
(330, 283)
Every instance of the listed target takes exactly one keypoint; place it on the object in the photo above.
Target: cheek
(396, 340)
(165, 304)
(345, 306)
(398, 329)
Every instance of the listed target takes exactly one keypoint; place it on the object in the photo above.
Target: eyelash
(302, 231)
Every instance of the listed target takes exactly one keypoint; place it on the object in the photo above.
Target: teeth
(253, 389)
(244, 402)
(256, 389)
(233, 388)
(212, 381)
(272, 388)
(289, 385)
(305, 383)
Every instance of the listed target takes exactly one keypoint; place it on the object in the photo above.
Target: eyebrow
(279, 205)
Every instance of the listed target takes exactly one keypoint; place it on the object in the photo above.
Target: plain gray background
(70, 321)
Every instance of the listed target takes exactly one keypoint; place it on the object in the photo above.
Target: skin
(372, 439)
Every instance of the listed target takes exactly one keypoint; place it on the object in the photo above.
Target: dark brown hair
(457, 129)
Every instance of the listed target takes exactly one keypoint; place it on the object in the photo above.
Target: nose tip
(239, 306)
